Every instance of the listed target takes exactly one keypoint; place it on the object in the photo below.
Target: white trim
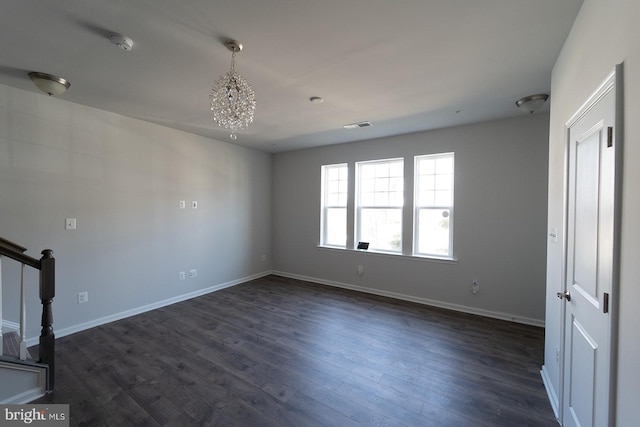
(551, 393)
(31, 394)
(425, 301)
(59, 333)
(392, 255)
(24, 397)
(605, 87)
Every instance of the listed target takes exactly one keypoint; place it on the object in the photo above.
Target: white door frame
(614, 81)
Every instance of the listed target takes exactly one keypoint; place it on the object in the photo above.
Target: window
(334, 205)
(371, 208)
(379, 203)
(433, 200)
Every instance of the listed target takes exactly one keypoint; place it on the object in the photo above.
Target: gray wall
(122, 179)
(500, 220)
(606, 32)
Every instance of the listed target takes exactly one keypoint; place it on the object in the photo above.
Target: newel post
(47, 292)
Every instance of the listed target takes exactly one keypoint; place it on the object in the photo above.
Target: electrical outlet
(193, 273)
(83, 297)
(360, 270)
(70, 224)
(182, 275)
(182, 204)
(475, 286)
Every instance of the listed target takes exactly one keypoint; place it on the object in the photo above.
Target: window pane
(396, 168)
(444, 165)
(433, 200)
(382, 184)
(433, 232)
(427, 182)
(366, 186)
(367, 171)
(381, 199)
(426, 198)
(396, 199)
(336, 227)
(367, 199)
(443, 182)
(334, 202)
(426, 166)
(443, 198)
(342, 173)
(382, 228)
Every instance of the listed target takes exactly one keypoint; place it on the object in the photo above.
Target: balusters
(1, 343)
(23, 317)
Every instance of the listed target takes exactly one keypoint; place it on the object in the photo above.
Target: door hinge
(605, 303)
(610, 136)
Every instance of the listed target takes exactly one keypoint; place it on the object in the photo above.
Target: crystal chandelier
(232, 99)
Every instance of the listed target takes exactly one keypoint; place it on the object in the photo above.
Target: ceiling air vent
(357, 125)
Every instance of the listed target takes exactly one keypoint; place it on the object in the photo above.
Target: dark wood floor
(279, 352)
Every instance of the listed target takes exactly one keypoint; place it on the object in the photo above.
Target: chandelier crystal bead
(233, 101)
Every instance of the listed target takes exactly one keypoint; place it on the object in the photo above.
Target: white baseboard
(143, 309)
(11, 326)
(551, 393)
(425, 301)
(24, 397)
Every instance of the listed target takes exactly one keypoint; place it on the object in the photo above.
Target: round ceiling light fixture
(532, 103)
(123, 42)
(49, 84)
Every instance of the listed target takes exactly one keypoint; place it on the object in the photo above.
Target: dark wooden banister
(15, 251)
(47, 267)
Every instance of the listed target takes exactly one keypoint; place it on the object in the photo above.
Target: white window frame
(432, 206)
(359, 206)
(326, 205)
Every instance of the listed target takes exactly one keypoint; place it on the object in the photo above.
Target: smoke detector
(123, 42)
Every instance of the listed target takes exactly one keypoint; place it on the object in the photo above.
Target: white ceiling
(404, 65)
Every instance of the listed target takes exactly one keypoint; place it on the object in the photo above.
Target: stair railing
(46, 264)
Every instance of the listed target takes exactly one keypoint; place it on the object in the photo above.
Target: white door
(590, 263)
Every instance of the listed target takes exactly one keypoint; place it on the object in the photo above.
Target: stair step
(11, 344)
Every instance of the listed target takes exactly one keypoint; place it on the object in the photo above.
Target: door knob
(564, 295)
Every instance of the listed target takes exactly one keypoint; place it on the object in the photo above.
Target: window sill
(443, 260)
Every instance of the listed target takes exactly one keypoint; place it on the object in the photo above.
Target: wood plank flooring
(282, 352)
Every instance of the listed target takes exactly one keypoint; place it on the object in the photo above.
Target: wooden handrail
(10, 245)
(16, 252)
